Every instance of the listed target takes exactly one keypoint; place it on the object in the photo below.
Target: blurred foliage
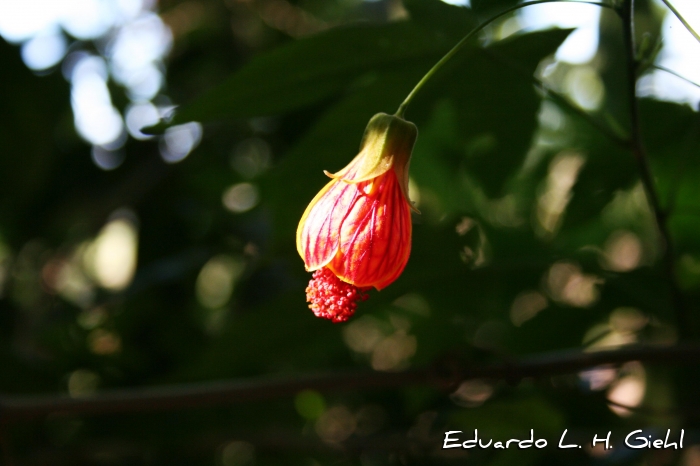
(535, 235)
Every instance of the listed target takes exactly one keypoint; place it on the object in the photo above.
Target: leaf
(496, 104)
(329, 145)
(607, 169)
(311, 69)
(672, 137)
(482, 88)
(436, 14)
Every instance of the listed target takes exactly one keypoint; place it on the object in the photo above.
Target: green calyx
(387, 143)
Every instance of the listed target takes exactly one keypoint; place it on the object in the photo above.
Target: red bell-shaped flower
(356, 233)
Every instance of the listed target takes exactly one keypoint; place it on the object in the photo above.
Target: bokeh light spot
(309, 404)
(104, 342)
(582, 44)
(178, 141)
(629, 390)
(526, 306)
(472, 393)
(240, 197)
(563, 172)
(238, 453)
(114, 252)
(139, 116)
(216, 280)
(623, 251)
(566, 283)
(336, 424)
(82, 382)
(585, 87)
(44, 50)
(22, 19)
(86, 19)
(107, 159)
(393, 352)
(363, 334)
(251, 157)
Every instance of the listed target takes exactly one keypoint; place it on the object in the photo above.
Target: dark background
(535, 236)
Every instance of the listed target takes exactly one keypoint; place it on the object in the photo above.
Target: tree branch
(563, 102)
(443, 377)
(640, 155)
(682, 20)
(681, 77)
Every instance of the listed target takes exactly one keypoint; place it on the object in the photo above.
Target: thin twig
(663, 68)
(640, 155)
(562, 101)
(205, 394)
(682, 19)
(454, 50)
(444, 377)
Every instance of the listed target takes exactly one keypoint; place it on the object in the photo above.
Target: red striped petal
(318, 232)
(375, 236)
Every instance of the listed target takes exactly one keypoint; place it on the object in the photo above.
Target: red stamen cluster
(331, 298)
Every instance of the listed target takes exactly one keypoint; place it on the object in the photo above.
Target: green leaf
(483, 88)
(329, 145)
(672, 138)
(438, 14)
(608, 168)
(496, 104)
(311, 69)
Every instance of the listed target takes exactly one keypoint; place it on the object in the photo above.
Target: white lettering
(487, 445)
(668, 444)
(561, 441)
(522, 445)
(607, 441)
(643, 444)
(448, 439)
(466, 443)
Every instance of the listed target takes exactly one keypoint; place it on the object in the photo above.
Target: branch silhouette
(441, 376)
(647, 177)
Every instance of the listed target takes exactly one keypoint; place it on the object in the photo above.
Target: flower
(356, 233)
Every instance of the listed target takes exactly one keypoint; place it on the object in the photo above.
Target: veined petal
(374, 243)
(318, 233)
(356, 233)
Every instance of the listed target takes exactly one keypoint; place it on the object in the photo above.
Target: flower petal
(318, 232)
(375, 235)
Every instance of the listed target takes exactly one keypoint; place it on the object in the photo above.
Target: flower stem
(472, 33)
(682, 19)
